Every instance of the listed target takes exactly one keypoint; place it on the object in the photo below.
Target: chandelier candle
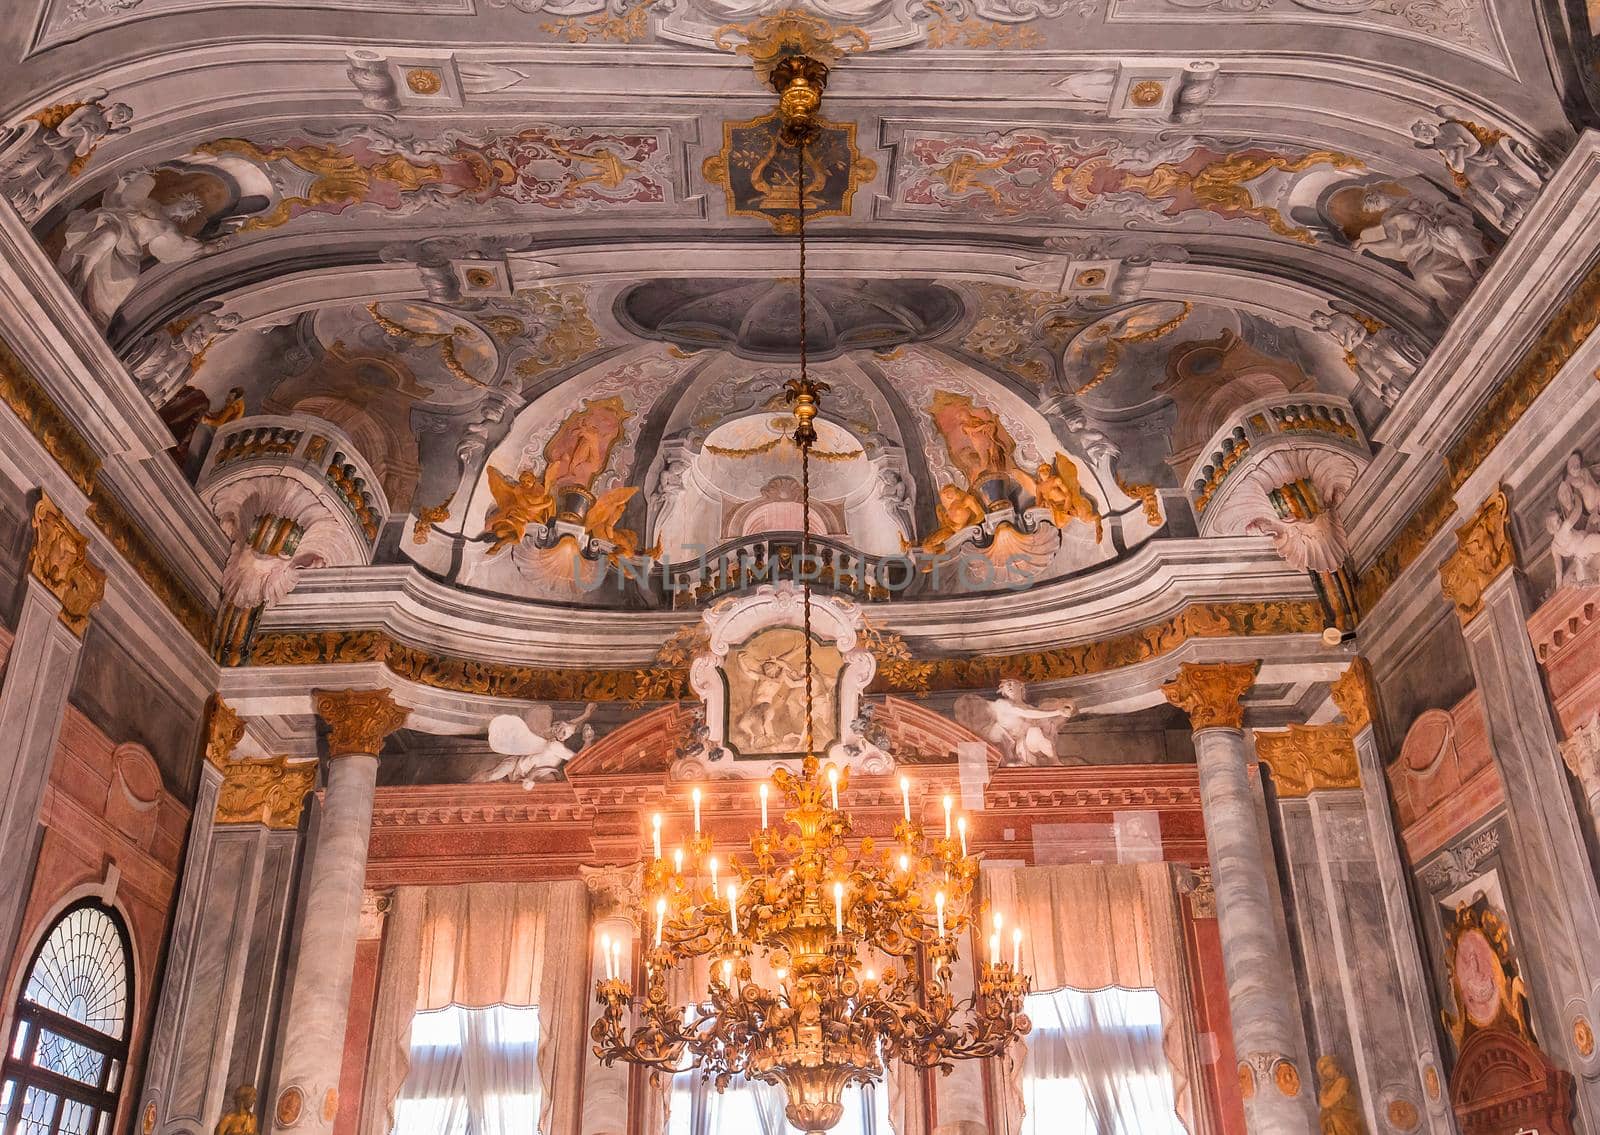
(801, 1003)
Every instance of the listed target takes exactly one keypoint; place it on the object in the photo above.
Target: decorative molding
(59, 560)
(613, 891)
(1209, 692)
(1355, 695)
(1310, 758)
(898, 675)
(270, 792)
(224, 731)
(1196, 883)
(136, 548)
(1484, 549)
(1456, 866)
(359, 720)
(44, 420)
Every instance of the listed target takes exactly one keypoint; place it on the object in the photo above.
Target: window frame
(20, 1070)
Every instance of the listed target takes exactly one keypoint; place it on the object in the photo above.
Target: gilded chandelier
(813, 963)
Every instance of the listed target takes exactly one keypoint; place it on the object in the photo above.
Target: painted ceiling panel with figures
(1073, 262)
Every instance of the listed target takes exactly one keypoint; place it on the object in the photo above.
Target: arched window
(68, 1046)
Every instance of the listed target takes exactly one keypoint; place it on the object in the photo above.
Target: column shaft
(605, 1090)
(319, 995)
(959, 1098)
(1267, 1029)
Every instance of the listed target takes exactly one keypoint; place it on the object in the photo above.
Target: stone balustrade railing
(754, 560)
(1271, 423)
(308, 448)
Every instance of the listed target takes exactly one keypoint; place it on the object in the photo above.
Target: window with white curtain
(752, 1108)
(1095, 1065)
(473, 1072)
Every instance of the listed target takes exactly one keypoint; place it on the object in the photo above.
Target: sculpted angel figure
(104, 248)
(1381, 358)
(534, 743)
(38, 159)
(1059, 489)
(164, 359)
(1576, 552)
(602, 522)
(1495, 172)
(1580, 490)
(517, 504)
(1437, 242)
(957, 508)
(1024, 733)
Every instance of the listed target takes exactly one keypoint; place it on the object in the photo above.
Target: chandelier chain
(805, 440)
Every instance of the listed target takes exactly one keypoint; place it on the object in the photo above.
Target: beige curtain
(476, 945)
(1090, 926)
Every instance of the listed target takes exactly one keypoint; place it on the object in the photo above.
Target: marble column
(1268, 1032)
(613, 901)
(62, 588)
(1367, 1025)
(1556, 895)
(959, 1099)
(219, 993)
(312, 1035)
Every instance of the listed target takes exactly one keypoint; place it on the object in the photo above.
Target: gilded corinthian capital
(1483, 550)
(60, 562)
(224, 731)
(1209, 692)
(1307, 758)
(1354, 694)
(358, 720)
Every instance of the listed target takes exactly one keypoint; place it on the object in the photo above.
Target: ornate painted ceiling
(533, 259)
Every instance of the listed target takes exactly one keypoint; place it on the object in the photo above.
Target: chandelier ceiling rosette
(823, 959)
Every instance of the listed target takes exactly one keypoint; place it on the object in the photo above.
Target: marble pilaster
(959, 1099)
(312, 1035)
(61, 590)
(1557, 896)
(613, 899)
(218, 998)
(1268, 1032)
(1365, 1021)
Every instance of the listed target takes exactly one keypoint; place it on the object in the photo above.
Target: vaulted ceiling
(453, 228)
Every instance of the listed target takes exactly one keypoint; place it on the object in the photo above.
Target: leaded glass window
(69, 1041)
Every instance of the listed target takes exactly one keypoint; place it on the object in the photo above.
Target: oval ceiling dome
(760, 319)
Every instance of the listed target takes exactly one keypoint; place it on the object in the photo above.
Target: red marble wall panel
(1444, 780)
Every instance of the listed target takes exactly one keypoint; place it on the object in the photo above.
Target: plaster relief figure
(517, 504)
(1025, 734)
(1574, 526)
(534, 744)
(1383, 360)
(957, 509)
(162, 361)
(39, 156)
(1057, 488)
(1497, 174)
(105, 247)
(1436, 242)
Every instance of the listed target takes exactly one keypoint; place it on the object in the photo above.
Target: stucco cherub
(518, 504)
(958, 508)
(1024, 733)
(534, 744)
(1058, 488)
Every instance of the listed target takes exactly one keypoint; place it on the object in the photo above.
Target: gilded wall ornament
(1354, 694)
(224, 731)
(1310, 758)
(1338, 1106)
(358, 720)
(758, 172)
(1209, 692)
(134, 545)
(1583, 1037)
(44, 420)
(791, 32)
(270, 792)
(1484, 549)
(1485, 988)
(60, 562)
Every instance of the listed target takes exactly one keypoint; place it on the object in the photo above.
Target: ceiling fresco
(539, 277)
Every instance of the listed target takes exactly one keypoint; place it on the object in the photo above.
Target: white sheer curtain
(1089, 927)
(476, 947)
(750, 1107)
(1096, 1066)
(472, 1072)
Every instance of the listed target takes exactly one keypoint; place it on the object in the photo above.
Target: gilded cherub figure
(602, 521)
(958, 508)
(1340, 1114)
(241, 1120)
(1059, 489)
(518, 504)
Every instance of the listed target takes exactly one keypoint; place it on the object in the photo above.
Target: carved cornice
(1209, 692)
(60, 562)
(1484, 549)
(907, 676)
(271, 792)
(50, 427)
(1309, 758)
(1354, 694)
(359, 720)
(224, 731)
